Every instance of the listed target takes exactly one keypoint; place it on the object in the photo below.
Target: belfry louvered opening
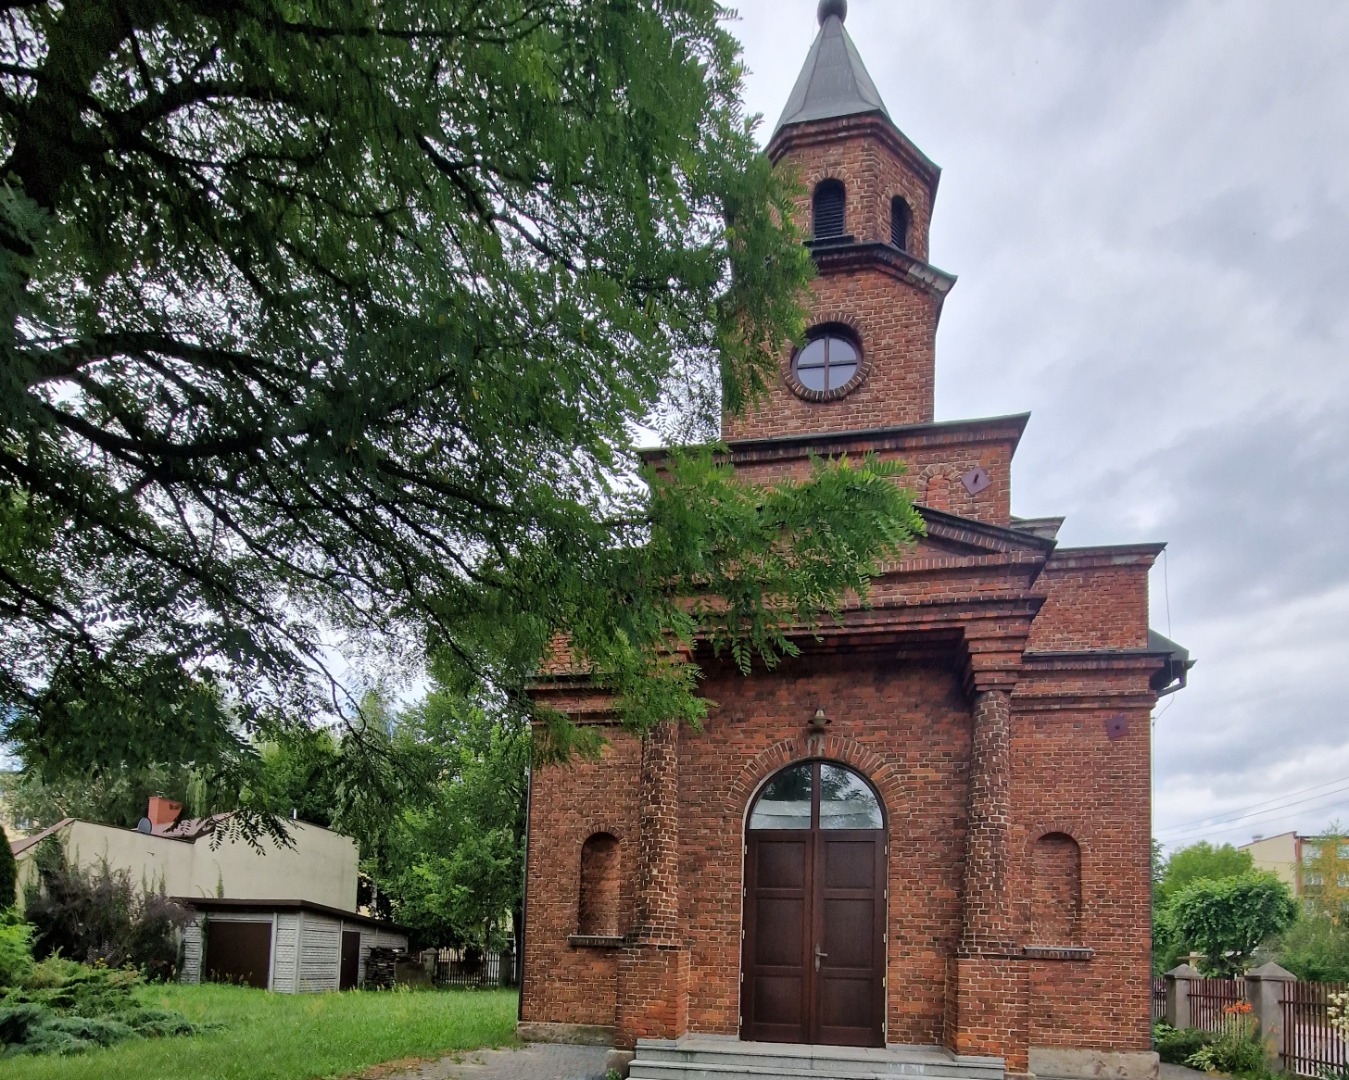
(827, 207)
(900, 219)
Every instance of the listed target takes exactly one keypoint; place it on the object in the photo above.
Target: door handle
(820, 954)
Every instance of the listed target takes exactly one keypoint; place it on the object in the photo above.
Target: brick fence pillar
(988, 993)
(653, 967)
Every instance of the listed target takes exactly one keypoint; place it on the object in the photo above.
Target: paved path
(537, 1061)
(1180, 1072)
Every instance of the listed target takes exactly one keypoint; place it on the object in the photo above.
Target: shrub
(1176, 1045)
(99, 915)
(16, 949)
(65, 1008)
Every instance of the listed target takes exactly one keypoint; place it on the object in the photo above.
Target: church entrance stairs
(710, 1057)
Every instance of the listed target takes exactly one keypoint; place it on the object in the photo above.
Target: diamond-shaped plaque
(975, 479)
(1117, 726)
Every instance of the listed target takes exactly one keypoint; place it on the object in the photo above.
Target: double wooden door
(814, 957)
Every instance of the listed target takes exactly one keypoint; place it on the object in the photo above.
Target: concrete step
(643, 1069)
(719, 1058)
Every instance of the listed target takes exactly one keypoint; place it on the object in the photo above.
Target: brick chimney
(162, 811)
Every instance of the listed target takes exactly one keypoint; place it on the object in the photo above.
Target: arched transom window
(816, 794)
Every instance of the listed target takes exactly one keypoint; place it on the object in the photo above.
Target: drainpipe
(524, 894)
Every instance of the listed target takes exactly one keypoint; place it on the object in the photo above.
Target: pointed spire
(834, 81)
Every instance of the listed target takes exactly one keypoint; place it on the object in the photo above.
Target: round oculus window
(826, 362)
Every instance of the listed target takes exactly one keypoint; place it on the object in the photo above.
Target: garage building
(290, 946)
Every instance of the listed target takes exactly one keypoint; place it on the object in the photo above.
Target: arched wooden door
(813, 964)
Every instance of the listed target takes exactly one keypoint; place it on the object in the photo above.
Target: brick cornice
(899, 437)
(942, 524)
(1103, 679)
(875, 125)
(843, 254)
(1105, 555)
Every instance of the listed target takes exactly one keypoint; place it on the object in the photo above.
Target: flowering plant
(1237, 1049)
(1338, 1011)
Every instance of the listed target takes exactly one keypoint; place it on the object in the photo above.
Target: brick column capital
(994, 648)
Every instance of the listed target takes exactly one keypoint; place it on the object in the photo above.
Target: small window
(829, 359)
(901, 217)
(827, 209)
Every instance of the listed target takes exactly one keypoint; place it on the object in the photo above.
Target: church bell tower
(867, 357)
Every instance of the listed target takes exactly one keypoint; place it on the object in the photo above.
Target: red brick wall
(907, 727)
(1069, 777)
(946, 460)
(896, 324)
(871, 171)
(1092, 607)
(566, 983)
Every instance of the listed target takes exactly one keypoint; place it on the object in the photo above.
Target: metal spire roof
(834, 81)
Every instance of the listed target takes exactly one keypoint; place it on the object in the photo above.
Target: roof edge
(221, 903)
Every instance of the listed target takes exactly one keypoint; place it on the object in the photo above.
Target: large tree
(1201, 861)
(327, 328)
(453, 863)
(1225, 919)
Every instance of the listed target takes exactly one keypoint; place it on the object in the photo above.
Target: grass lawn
(289, 1036)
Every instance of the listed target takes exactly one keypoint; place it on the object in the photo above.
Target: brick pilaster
(986, 926)
(653, 968)
(989, 1012)
(658, 837)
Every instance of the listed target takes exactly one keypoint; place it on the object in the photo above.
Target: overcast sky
(1147, 206)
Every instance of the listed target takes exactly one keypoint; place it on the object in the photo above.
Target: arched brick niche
(939, 486)
(599, 906)
(1055, 890)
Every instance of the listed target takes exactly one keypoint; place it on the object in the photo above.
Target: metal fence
(1208, 998)
(1158, 998)
(1310, 1044)
(462, 968)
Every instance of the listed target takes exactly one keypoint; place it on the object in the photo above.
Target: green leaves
(453, 866)
(326, 332)
(1225, 919)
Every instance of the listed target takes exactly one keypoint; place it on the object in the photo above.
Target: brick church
(925, 840)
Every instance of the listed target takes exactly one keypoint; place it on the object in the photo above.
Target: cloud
(1147, 205)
